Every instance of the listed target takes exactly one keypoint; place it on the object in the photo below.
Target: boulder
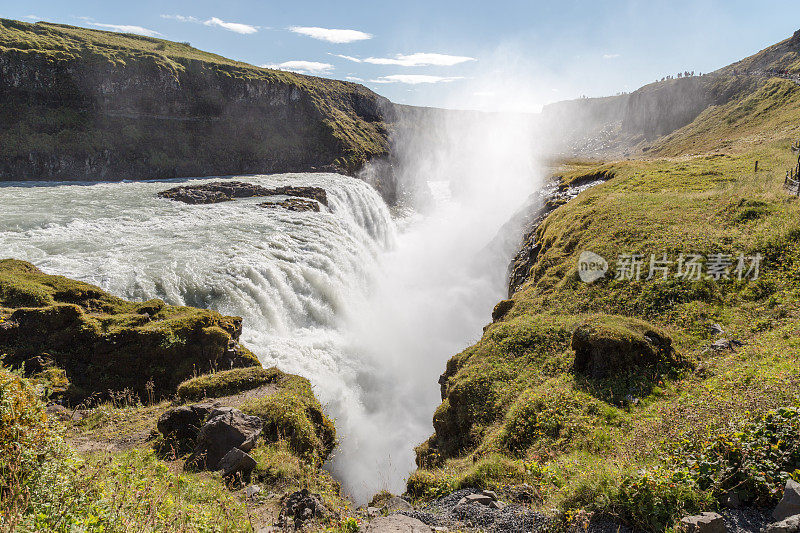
(397, 523)
(790, 503)
(251, 490)
(237, 462)
(703, 523)
(482, 499)
(183, 423)
(300, 506)
(396, 504)
(788, 525)
(606, 345)
(225, 429)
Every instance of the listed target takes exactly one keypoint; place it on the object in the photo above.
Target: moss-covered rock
(606, 345)
(228, 382)
(107, 343)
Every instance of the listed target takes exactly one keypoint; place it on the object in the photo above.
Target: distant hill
(81, 104)
(631, 123)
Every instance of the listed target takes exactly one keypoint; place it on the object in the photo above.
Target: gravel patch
(445, 512)
(746, 519)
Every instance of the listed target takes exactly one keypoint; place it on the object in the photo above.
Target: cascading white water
(291, 276)
(368, 313)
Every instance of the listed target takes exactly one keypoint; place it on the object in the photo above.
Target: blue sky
(488, 55)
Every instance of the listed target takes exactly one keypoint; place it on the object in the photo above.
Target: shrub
(754, 462)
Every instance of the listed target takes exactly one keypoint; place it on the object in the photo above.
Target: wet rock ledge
(226, 191)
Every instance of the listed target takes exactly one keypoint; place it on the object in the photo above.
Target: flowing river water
(367, 307)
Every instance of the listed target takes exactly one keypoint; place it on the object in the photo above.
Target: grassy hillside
(77, 103)
(674, 426)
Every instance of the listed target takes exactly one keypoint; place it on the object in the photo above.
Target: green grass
(96, 337)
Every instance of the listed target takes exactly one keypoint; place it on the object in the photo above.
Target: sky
(491, 55)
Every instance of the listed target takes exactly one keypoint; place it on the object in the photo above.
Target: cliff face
(93, 105)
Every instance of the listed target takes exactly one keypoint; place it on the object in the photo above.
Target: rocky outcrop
(225, 191)
(82, 104)
(97, 338)
(292, 204)
(538, 206)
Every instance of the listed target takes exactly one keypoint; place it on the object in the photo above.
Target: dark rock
(225, 191)
(293, 204)
(184, 422)
(606, 345)
(237, 462)
(790, 503)
(300, 507)
(501, 309)
(703, 523)
(225, 429)
(397, 524)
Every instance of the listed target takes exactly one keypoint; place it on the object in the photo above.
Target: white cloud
(483, 93)
(180, 18)
(331, 35)
(354, 78)
(419, 59)
(610, 56)
(237, 27)
(349, 58)
(32, 17)
(414, 79)
(303, 67)
(124, 28)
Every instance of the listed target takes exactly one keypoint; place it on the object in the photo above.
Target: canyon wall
(78, 104)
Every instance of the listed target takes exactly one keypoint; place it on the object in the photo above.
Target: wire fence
(792, 181)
